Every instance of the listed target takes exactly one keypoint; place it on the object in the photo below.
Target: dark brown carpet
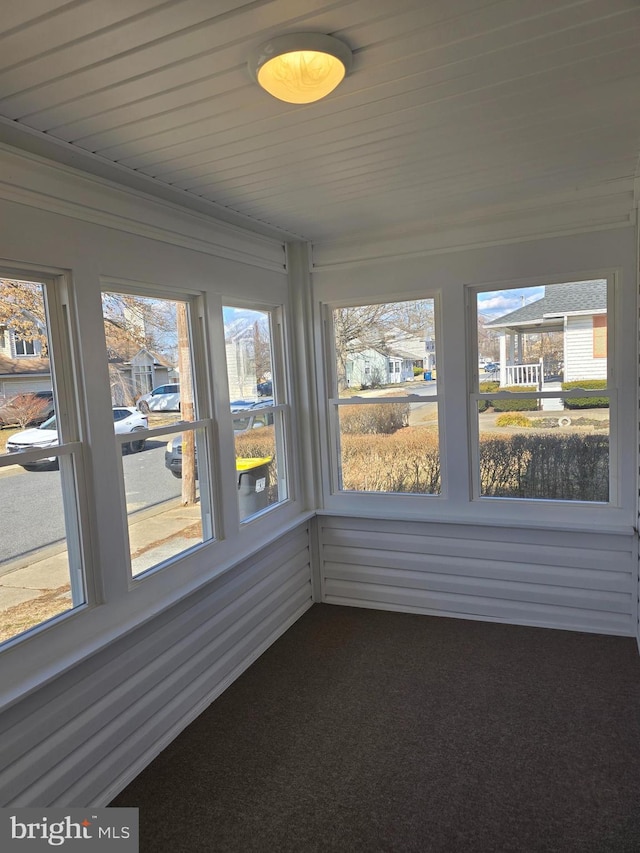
(364, 730)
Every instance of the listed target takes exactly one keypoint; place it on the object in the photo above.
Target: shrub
(518, 404)
(515, 419)
(525, 465)
(375, 418)
(24, 409)
(556, 467)
(418, 371)
(553, 467)
(586, 402)
(407, 461)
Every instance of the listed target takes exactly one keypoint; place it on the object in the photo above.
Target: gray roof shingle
(558, 299)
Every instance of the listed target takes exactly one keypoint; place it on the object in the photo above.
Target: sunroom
(320, 283)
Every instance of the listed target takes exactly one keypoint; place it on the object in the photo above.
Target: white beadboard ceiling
(452, 106)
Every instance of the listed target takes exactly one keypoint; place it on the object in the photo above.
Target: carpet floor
(365, 730)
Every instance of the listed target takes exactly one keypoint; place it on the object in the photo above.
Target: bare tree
(22, 309)
(262, 348)
(488, 340)
(132, 323)
(24, 409)
(415, 318)
(358, 329)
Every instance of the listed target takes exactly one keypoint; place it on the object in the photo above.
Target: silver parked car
(125, 419)
(164, 398)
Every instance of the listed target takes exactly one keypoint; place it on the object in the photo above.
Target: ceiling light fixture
(300, 68)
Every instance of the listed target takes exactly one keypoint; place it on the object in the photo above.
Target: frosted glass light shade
(300, 68)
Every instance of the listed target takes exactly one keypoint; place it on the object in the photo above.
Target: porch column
(503, 357)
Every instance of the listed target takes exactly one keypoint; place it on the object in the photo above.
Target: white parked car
(164, 398)
(125, 419)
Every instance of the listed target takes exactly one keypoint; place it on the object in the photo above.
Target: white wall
(579, 362)
(413, 570)
(553, 579)
(158, 649)
(80, 739)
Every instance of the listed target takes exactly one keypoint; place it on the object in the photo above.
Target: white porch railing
(523, 374)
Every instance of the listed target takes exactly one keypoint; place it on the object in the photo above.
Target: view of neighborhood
(545, 344)
(540, 392)
(155, 402)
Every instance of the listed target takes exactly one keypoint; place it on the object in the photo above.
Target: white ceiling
(452, 105)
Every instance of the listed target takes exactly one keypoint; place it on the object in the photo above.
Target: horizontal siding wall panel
(21, 728)
(595, 579)
(185, 659)
(581, 581)
(105, 719)
(462, 606)
(143, 723)
(510, 590)
(474, 536)
(466, 546)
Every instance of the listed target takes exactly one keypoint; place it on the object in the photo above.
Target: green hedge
(586, 402)
(517, 405)
(555, 467)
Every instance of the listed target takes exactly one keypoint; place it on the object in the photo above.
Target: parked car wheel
(138, 445)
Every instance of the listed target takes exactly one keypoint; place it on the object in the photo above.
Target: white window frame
(281, 410)
(207, 462)
(611, 390)
(70, 451)
(371, 501)
(21, 343)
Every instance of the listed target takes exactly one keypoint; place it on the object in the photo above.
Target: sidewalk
(36, 587)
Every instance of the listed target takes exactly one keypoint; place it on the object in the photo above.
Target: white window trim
(454, 359)
(282, 417)
(64, 359)
(17, 341)
(371, 502)
(611, 390)
(196, 316)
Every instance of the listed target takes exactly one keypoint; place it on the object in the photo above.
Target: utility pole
(186, 407)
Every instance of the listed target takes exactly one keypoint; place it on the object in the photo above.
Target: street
(31, 501)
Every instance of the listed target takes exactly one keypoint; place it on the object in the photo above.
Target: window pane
(552, 339)
(161, 524)
(384, 345)
(389, 447)
(527, 452)
(149, 351)
(38, 578)
(152, 385)
(261, 480)
(258, 428)
(547, 337)
(35, 576)
(248, 347)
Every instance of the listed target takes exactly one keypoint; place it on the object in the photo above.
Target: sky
(241, 316)
(495, 303)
